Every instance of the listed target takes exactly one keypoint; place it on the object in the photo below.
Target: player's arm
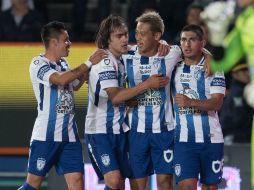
(96, 57)
(119, 95)
(81, 81)
(80, 72)
(214, 103)
(207, 67)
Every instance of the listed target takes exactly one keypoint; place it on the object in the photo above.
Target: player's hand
(249, 94)
(218, 16)
(163, 49)
(182, 100)
(207, 66)
(97, 56)
(157, 81)
(131, 103)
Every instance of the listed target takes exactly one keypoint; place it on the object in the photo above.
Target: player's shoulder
(175, 48)
(38, 61)
(104, 64)
(219, 74)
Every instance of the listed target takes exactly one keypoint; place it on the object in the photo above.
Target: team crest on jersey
(197, 74)
(217, 166)
(150, 97)
(40, 164)
(178, 169)
(105, 159)
(106, 61)
(65, 102)
(168, 155)
(156, 62)
(36, 62)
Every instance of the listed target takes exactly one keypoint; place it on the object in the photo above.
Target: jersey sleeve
(218, 85)
(175, 53)
(41, 71)
(107, 74)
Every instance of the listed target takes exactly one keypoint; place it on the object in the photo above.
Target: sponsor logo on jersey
(168, 155)
(150, 97)
(185, 77)
(178, 169)
(192, 94)
(218, 82)
(65, 103)
(107, 75)
(40, 164)
(44, 69)
(145, 69)
(105, 159)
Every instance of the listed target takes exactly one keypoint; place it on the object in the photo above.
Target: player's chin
(187, 54)
(65, 54)
(124, 49)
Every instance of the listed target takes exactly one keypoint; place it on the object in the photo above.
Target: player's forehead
(189, 34)
(143, 26)
(120, 30)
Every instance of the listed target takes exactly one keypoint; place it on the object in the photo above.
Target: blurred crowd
(21, 21)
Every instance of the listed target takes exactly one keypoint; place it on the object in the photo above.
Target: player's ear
(53, 41)
(157, 36)
(203, 43)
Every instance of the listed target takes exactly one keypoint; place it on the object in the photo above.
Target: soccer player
(104, 127)
(151, 121)
(55, 138)
(198, 135)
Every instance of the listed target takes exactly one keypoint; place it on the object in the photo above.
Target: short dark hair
(107, 26)
(194, 28)
(51, 30)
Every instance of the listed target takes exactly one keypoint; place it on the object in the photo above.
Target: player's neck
(149, 52)
(114, 53)
(52, 56)
(194, 60)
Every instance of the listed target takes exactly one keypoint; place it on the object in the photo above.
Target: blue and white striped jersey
(193, 125)
(102, 116)
(154, 110)
(55, 120)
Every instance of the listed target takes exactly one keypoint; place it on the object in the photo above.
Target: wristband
(88, 63)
